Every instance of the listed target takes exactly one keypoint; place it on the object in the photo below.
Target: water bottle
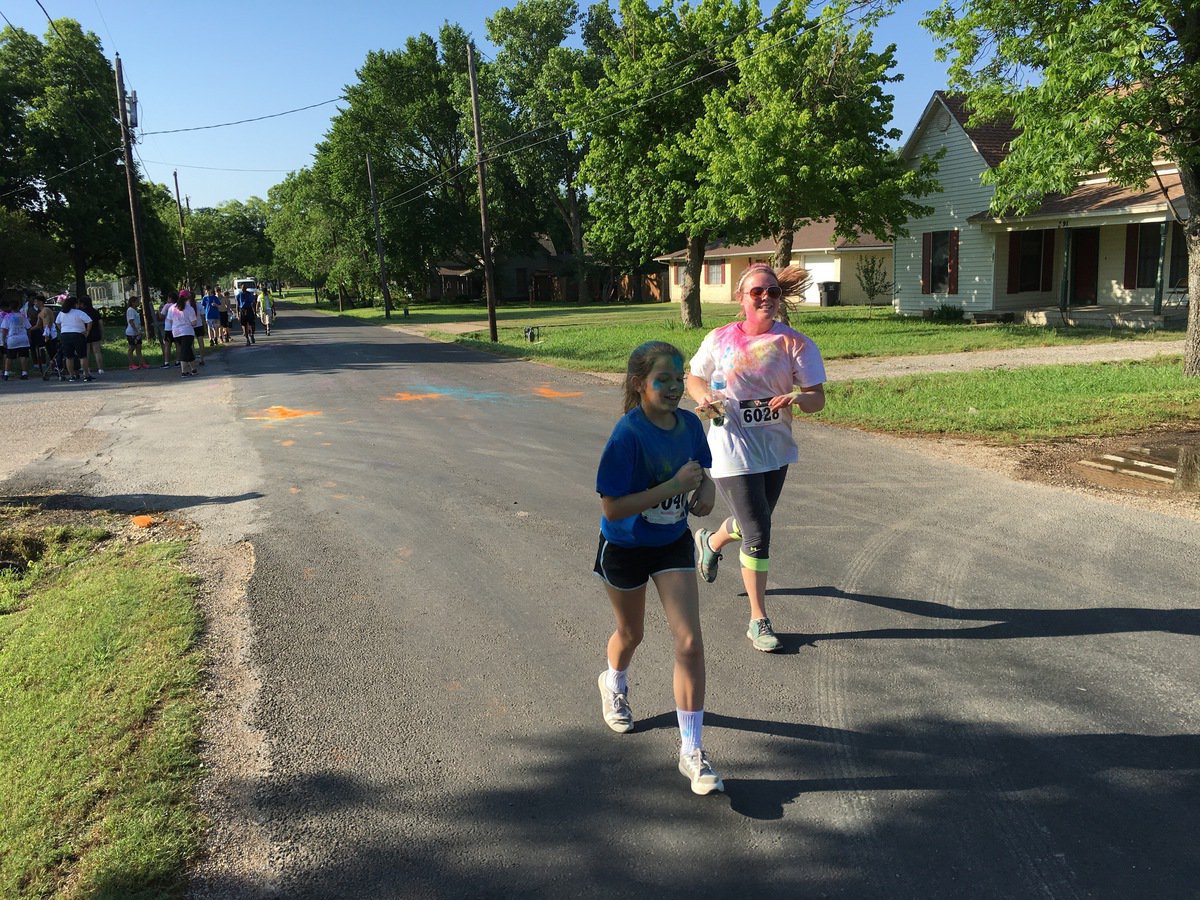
(718, 391)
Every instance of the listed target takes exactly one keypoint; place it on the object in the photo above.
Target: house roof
(1095, 197)
(1101, 198)
(816, 236)
(992, 140)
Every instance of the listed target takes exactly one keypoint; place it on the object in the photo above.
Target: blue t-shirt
(211, 304)
(639, 455)
(245, 300)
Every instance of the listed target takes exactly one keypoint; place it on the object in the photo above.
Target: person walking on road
(73, 327)
(266, 310)
(246, 301)
(168, 339)
(133, 334)
(769, 369)
(213, 306)
(14, 337)
(653, 462)
(95, 336)
(182, 322)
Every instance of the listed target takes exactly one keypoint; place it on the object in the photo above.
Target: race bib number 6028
(756, 413)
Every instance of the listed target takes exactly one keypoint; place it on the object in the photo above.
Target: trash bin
(829, 291)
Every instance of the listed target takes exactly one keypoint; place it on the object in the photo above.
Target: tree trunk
(1190, 178)
(783, 249)
(79, 259)
(690, 301)
(575, 223)
(341, 297)
(1187, 469)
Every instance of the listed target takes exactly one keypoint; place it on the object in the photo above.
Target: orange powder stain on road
(406, 397)
(275, 413)
(552, 394)
(287, 443)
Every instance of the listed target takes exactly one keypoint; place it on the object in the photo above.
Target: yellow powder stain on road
(406, 397)
(275, 413)
(287, 443)
(293, 490)
(552, 394)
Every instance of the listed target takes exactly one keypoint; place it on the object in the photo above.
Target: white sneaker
(615, 706)
(699, 771)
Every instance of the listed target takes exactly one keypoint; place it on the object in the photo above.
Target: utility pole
(187, 278)
(139, 255)
(383, 279)
(488, 272)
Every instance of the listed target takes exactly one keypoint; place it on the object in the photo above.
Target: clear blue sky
(206, 62)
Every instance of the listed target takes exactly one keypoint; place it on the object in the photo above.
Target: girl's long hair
(641, 361)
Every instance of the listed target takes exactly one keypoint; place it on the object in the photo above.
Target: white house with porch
(1101, 253)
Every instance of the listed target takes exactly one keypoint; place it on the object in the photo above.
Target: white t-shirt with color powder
(73, 321)
(757, 368)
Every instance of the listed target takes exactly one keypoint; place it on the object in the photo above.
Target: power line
(409, 195)
(159, 162)
(50, 178)
(286, 112)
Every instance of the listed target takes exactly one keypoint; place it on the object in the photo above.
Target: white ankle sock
(691, 724)
(617, 680)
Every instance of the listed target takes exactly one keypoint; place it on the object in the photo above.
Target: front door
(1085, 262)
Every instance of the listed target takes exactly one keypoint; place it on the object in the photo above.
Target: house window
(1179, 258)
(1141, 255)
(939, 262)
(676, 271)
(1030, 261)
(714, 273)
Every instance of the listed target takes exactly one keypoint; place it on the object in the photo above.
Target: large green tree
(644, 162)
(228, 239)
(533, 68)
(803, 134)
(1094, 86)
(26, 254)
(74, 145)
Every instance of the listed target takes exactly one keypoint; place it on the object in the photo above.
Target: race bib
(668, 512)
(757, 413)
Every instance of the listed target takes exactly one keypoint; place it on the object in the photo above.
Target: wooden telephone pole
(489, 273)
(187, 277)
(139, 255)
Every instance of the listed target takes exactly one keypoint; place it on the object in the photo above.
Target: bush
(947, 312)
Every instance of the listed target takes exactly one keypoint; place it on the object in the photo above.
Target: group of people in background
(63, 337)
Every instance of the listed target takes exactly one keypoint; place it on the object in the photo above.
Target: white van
(248, 283)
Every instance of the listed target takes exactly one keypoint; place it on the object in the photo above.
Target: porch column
(1162, 264)
(1064, 293)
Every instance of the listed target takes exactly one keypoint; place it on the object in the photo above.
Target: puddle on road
(1164, 467)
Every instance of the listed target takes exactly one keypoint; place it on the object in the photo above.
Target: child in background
(133, 334)
(655, 458)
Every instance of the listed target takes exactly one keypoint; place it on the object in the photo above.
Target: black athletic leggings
(752, 499)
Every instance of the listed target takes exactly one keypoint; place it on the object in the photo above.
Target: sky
(218, 61)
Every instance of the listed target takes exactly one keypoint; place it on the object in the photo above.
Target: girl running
(654, 459)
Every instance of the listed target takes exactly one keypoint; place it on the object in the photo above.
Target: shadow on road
(1002, 622)
(902, 809)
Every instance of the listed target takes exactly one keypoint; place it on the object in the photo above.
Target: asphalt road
(987, 689)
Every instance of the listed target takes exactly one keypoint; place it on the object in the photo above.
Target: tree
(533, 69)
(1096, 86)
(644, 162)
(228, 239)
(74, 142)
(873, 278)
(26, 255)
(803, 133)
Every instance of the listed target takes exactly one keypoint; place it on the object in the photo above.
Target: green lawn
(1026, 404)
(99, 711)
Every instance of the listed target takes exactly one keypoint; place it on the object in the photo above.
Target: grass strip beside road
(99, 710)
(1015, 405)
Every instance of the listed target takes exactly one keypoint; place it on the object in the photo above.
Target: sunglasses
(774, 292)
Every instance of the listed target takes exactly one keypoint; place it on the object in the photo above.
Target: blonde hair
(792, 280)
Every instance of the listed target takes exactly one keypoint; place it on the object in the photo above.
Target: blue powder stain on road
(458, 394)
